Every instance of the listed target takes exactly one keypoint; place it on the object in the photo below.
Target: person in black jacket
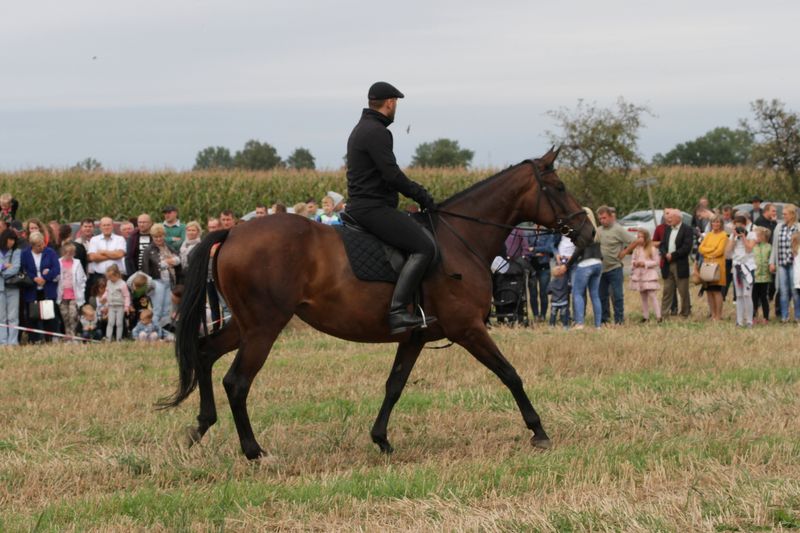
(373, 183)
(675, 248)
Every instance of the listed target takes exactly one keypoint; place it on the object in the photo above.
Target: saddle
(372, 259)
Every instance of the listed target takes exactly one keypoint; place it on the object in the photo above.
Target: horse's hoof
(541, 444)
(254, 454)
(385, 447)
(194, 436)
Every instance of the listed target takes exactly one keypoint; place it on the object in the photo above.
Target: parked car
(749, 208)
(644, 219)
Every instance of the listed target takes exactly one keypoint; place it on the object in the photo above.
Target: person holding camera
(740, 249)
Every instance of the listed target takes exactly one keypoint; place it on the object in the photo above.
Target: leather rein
(561, 225)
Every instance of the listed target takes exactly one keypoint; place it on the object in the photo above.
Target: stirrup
(424, 318)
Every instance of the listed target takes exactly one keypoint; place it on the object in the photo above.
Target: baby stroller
(510, 294)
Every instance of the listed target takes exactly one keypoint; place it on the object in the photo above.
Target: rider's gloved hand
(426, 201)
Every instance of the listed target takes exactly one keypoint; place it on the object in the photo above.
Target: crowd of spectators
(112, 280)
(116, 280)
(749, 250)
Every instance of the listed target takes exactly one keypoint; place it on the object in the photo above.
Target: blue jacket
(12, 257)
(542, 243)
(49, 264)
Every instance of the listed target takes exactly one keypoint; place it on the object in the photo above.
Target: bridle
(561, 225)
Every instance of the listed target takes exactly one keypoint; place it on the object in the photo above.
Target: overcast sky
(148, 84)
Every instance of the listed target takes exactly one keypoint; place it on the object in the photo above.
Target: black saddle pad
(372, 259)
(367, 255)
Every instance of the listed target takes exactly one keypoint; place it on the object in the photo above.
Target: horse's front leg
(478, 342)
(407, 353)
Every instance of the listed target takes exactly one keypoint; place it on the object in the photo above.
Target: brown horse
(275, 267)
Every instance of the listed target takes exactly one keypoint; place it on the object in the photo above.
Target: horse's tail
(191, 314)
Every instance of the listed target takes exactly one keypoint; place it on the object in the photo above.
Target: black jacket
(683, 249)
(373, 177)
(769, 224)
(151, 264)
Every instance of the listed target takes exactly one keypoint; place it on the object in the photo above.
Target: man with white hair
(105, 250)
(676, 249)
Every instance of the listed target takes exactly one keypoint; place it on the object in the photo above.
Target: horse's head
(550, 205)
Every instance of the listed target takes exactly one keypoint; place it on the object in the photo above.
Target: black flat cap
(381, 90)
(756, 198)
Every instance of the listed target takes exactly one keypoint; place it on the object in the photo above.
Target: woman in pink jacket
(645, 274)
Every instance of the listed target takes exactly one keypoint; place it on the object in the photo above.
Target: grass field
(685, 426)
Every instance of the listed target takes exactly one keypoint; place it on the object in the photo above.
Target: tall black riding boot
(400, 319)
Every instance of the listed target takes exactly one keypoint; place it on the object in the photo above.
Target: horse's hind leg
(255, 346)
(483, 348)
(212, 348)
(407, 353)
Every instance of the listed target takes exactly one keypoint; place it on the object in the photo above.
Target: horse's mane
(475, 186)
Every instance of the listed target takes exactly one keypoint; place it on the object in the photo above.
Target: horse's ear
(550, 156)
(555, 155)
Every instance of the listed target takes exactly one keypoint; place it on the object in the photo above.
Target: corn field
(68, 195)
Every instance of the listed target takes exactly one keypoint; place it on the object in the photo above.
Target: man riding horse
(373, 183)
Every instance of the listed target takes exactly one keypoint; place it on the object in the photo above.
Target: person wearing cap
(338, 201)
(176, 232)
(373, 182)
(328, 215)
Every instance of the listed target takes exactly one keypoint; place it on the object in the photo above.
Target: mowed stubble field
(685, 426)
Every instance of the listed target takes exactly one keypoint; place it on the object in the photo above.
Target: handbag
(42, 310)
(20, 280)
(709, 272)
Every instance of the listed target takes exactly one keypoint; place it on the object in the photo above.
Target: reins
(562, 226)
(545, 231)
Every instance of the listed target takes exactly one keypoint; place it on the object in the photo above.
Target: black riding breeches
(396, 229)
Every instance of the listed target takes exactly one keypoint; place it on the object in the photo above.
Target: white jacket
(795, 272)
(78, 282)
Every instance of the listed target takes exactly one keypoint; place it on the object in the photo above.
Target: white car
(644, 219)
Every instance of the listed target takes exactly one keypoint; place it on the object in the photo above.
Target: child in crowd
(564, 252)
(763, 278)
(101, 309)
(328, 216)
(71, 288)
(175, 297)
(88, 320)
(645, 272)
(118, 298)
(142, 288)
(145, 329)
(559, 292)
(8, 208)
(301, 209)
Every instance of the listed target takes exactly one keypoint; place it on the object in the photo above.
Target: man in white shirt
(105, 250)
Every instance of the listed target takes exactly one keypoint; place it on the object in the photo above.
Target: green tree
(257, 156)
(442, 153)
(301, 158)
(213, 157)
(718, 147)
(89, 164)
(777, 139)
(598, 140)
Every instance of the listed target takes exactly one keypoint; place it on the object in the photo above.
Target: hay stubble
(687, 426)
